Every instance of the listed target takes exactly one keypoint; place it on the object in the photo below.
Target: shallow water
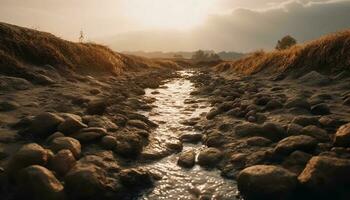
(177, 182)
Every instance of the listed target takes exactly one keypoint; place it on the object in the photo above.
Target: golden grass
(20, 46)
(329, 54)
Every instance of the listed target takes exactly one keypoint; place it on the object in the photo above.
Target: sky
(181, 25)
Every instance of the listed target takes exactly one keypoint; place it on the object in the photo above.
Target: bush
(286, 42)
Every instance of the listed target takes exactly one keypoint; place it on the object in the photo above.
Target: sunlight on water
(179, 183)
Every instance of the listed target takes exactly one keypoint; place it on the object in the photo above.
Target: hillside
(328, 54)
(23, 50)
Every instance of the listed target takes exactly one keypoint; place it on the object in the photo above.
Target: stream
(180, 183)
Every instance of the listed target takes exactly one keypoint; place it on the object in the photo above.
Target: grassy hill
(23, 49)
(329, 54)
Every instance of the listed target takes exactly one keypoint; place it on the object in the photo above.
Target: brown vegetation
(20, 47)
(329, 54)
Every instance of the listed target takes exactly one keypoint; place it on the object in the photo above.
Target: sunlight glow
(169, 14)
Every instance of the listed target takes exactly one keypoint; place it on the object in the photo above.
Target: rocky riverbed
(175, 135)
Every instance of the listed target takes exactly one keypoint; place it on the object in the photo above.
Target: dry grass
(21, 46)
(329, 54)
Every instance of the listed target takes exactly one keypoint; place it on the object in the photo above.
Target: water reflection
(178, 183)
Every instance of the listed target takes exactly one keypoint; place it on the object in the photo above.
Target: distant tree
(201, 56)
(198, 55)
(178, 56)
(81, 37)
(286, 42)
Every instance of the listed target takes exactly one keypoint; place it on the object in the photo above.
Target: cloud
(247, 30)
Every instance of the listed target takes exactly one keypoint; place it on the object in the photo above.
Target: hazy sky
(170, 25)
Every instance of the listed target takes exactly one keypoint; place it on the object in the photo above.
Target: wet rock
(314, 78)
(45, 124)
(8, 105)
(293, 143)
(62, 162)
(129, 145)
(86, 182)
(299, 103)
(91, 134)
(326, 176)
(212, 113)
(209, 157)
(29, 154)
(108, 142)
(273, 131)
(97, 107)
(39, 183)
(61, 143)
(187, 159)
(135, 178)
(70, 126)
(315, 132)
(175, 146)
(191, 138)
(138, 124)
(258, 141)
(342, 136)
(100, 121)
(266, 182)
(296, 161)
(248, 129)
(306, 121)
(214, 139)
(320, 109)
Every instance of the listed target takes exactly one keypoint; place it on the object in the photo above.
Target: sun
(167, 14)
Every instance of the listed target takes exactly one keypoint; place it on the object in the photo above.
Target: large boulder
(262, 182)
(135, 178)
(45, 124)
(209, 157)
(187, 159)
(72, 144)
(70, 126)
(326, 176)
(342, 137)
(29, 154)
(40, 183)
(293, 143)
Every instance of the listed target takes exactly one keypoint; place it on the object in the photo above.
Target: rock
(293, 143)
(187, 159)
(72, 144)
(138, 124)
(258, 141)
(135, 178)
(248, 129)
(53, 136)
(347, 101)
(296, 161)
(62, 162)
(129, 145)
(299, 103)
(315, 132)
(214, 139)
(100, 121)
(262, 101)
(8, 105)
(29, 154)
(38, 182)
(320, 109)
(95, 91)
(266, 182)
(273, 105)
(209, 157)
(342, 136)
(174, 146)
(8, 83)
(8, 136)
(273, 131)
(97, 107)
(294, 129)
(314, 78)
(191, 138)
(85, 181)
(91, 134)
(212, 113)
(70, 126)
(108, 142)
(306, 121)
(326, 176)
(45, 124)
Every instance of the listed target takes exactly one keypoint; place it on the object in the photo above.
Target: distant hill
(329, 54)
(185, 54)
